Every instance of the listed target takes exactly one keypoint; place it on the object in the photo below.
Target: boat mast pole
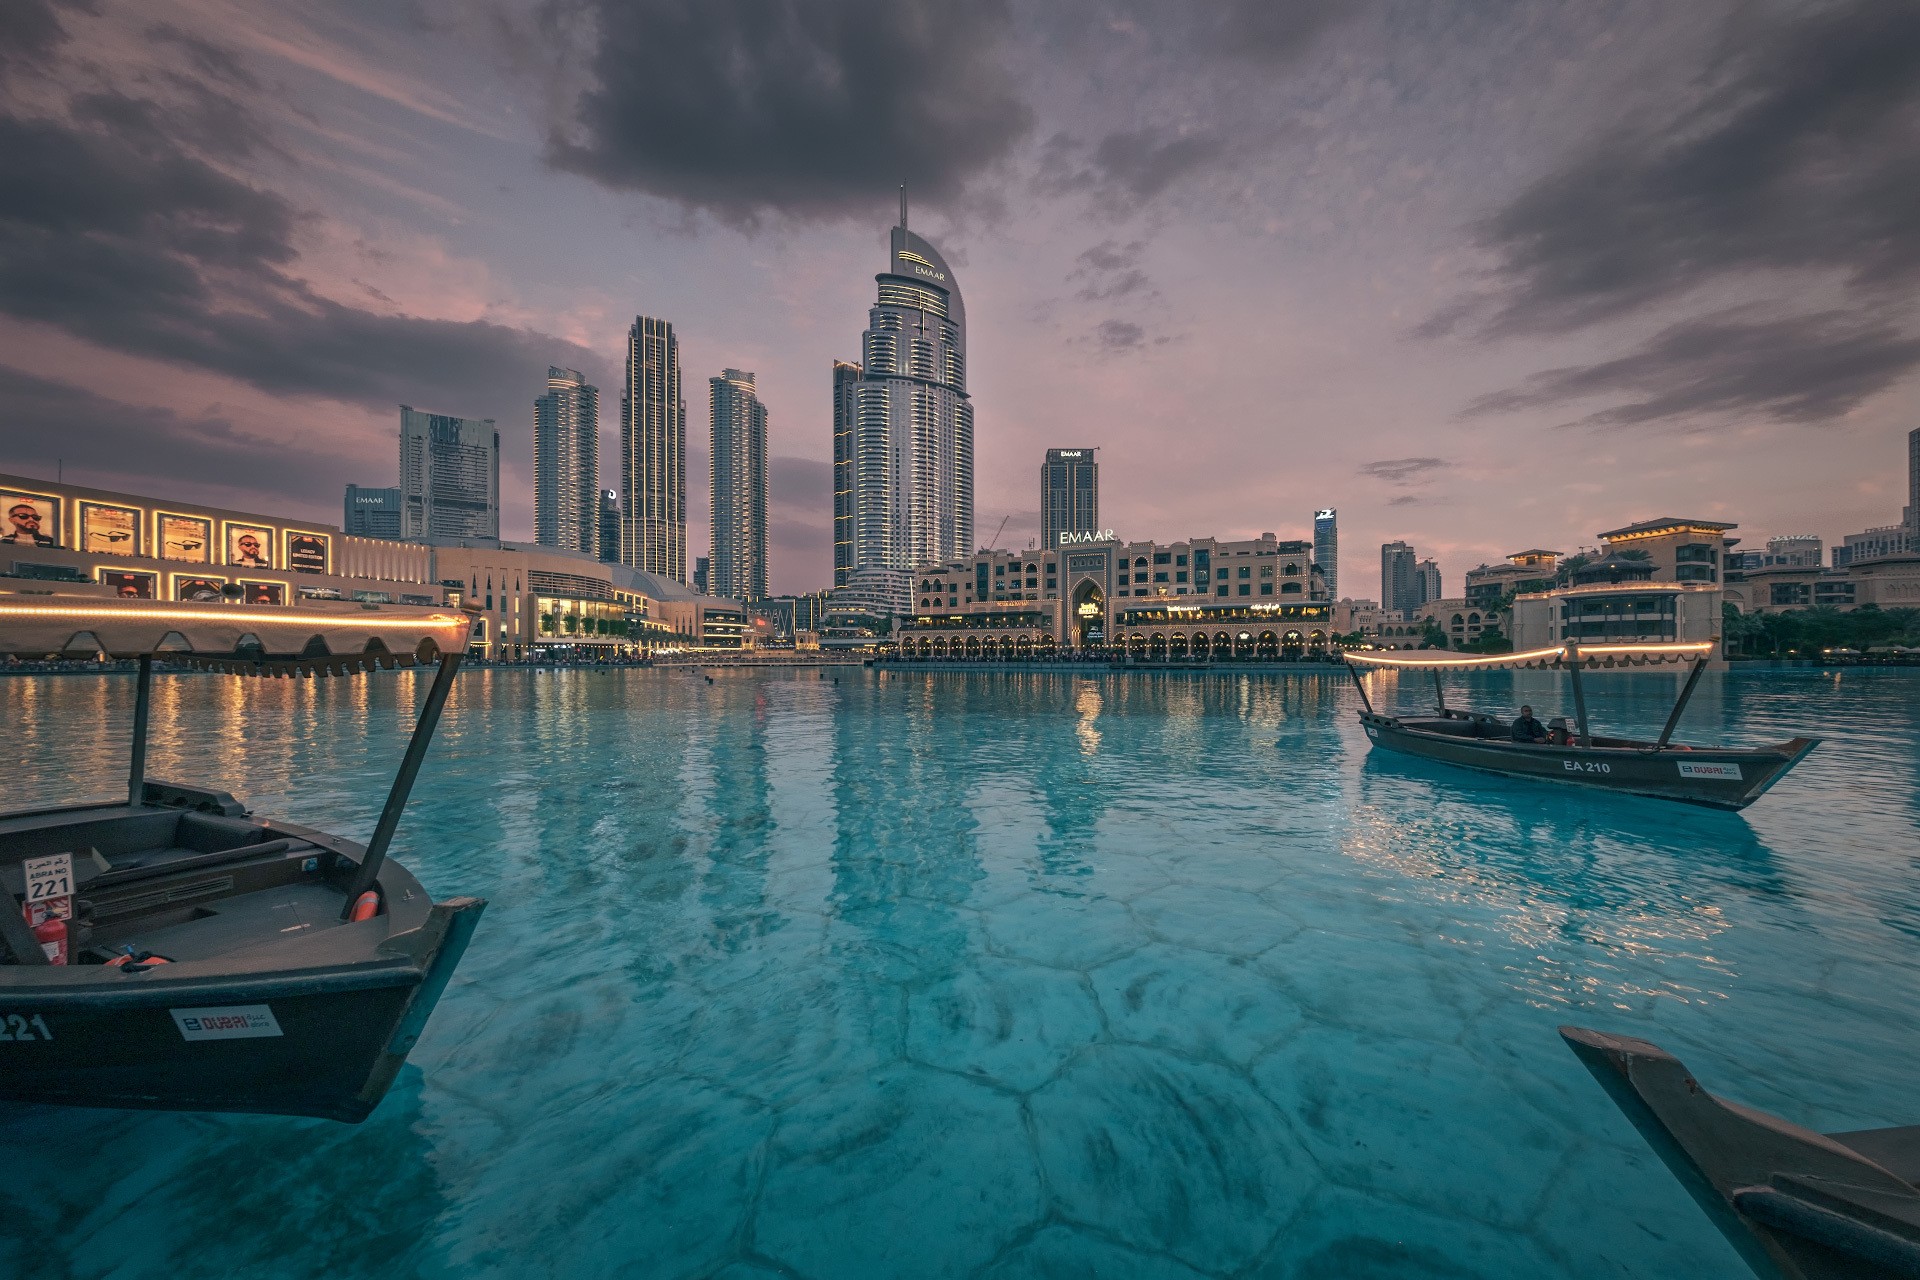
(1361, 685)
(142, 702)
(1439, 694)
(1579, 694)
(369, 871)
(1686, 692)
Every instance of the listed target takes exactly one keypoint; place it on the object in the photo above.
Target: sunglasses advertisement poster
(29, 520)
(308, 552)
(204, 590)
(127, 586)
(249, 546)
(109, 530)
(185, 538)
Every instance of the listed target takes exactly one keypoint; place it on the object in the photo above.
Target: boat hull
(1716, 778)
(324, 1042)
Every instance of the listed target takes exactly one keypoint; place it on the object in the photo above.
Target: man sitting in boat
(1527, 729)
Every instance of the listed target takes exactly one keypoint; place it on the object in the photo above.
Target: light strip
(227, 614)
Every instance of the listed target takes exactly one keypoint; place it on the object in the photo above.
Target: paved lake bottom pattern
(1012, 975)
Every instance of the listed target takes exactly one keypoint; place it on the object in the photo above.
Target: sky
(1481, 274)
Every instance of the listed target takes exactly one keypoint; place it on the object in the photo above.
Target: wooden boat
(173, 951)
(1718, 777)
(1796, 1204)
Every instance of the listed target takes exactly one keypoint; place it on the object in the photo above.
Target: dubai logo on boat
(1689, 769)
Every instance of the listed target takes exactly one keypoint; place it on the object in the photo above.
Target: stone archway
(1087, 616)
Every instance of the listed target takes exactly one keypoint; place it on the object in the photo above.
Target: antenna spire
(903, 206)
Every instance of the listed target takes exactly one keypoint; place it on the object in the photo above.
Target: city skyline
(1437, 312)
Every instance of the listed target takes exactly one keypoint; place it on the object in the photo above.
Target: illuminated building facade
(1326, 548)
(738, 461)
(908, 458)
(653, 453)
(846, 400)
(1680, 550)
(372, 513)
(449, 476)
(1069, 495)
(566, 463)
(1251, 597)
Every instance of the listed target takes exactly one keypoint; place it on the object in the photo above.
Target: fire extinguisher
(50, 931)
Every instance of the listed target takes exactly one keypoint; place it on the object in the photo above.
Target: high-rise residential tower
(653, 453)
(1427, 575)
(1069, 495)
(449, 476)
(846, 399)
(566, 463)
(1399, 584)
(738, 551)
(911, 449)
(610, 525)
(1326, 548)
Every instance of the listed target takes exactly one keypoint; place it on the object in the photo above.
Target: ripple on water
(1014, 977)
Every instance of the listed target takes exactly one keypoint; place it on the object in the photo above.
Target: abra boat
(173, 951)
(1796, 1204)
(1718, 777)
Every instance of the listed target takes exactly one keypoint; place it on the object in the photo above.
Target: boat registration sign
(1730, 772)
(49, 878)
(228, 1022)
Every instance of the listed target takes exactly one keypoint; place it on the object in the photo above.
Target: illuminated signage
(1099, 535)
(308, 552)
(30, 519)
(1069, 453)
(184, 538)
(115, 530)
(1326, 514)
(250, 546)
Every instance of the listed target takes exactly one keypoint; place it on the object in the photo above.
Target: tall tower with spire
(903, 424)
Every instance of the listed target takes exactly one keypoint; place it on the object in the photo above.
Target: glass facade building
(566, 463)
(1326, 548)
(653, 453)
(449, 476)
(1069, 495)
(738, 550)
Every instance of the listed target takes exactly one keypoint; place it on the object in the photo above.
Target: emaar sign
(1101, 535)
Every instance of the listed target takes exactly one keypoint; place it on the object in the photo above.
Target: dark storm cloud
(1125, 170)
(1119, 335)
(120, 223)
(1275, 31)
(1111, 270)
(31, 29)
(1801, 151)
(1799, 369)
(101, 435)
(749, 107)
(1404, 471)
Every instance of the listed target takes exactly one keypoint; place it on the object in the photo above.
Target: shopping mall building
(532, 599)
(1201, 598)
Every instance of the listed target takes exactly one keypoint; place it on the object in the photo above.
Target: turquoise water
(1012, 976)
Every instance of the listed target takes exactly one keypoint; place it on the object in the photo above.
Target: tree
(1433, 636)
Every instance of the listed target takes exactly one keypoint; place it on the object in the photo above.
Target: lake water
(1012, 976)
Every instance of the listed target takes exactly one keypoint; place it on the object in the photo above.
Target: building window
(1179, 575)
(1246, 589)
(1221, 590)
(1266, 588)
(1162, 557)
(999, 571)
(1139, 577)
(1245, 572)
(1180, 559)
(1160, 576)
(1202, 559)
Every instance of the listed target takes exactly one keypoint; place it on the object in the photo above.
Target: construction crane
(997, 532)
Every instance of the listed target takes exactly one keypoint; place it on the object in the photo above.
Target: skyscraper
(1326, 548)
(449, 476)
(610, 525)
(739, 469)
(700, 566)
(653, 453)
(372, 513)
(1427, 577)
(846, 399)
(1069, 495)
(910, 456)
(1399, 587)
(566, 463)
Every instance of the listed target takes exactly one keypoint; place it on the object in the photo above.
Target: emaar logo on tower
(1099, 535)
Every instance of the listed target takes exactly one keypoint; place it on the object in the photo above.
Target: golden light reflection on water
(1087, 703)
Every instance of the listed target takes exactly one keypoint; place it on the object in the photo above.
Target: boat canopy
(309, 639)
(1588, 656)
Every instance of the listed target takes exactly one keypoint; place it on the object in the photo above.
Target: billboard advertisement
(29, 520)
(263, 592)
(309, 552)
(126, 585)
(250, 546)
(187, 586)
(109, 530)
(185, 538)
